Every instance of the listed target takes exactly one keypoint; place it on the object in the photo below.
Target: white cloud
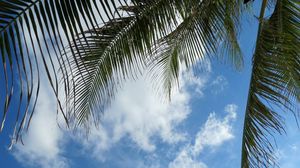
(44, 139)
(199, 82)
(219, 84)
(140, 114)
(231, 109)
(213, 133)
(185, 160)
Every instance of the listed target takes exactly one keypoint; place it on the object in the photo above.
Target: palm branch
(210, 31)
(112, 52)
(158, 36)
(275, 83)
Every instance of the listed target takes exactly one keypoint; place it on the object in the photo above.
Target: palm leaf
(114, 52)
(274, 83)
(209, 26)
(30, 33)
(148, 37)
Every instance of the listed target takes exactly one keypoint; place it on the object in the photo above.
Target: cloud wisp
(219, 84)
(212, 134)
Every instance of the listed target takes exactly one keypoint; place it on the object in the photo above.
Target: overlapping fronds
(209, 26)
(34, 36)
(275, 83)
(30, 31)
(114, 51)
(148, 36)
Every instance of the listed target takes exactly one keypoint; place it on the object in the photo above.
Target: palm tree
(94, 59)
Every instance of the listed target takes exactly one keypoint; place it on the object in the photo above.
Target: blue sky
(200, 128)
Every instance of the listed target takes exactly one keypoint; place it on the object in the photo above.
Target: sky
(200, 128)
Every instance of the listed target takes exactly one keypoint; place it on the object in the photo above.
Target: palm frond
(148, 36)
(24, 51)
(274, 86)
(115, 51)
(209, 26)
(33, 39)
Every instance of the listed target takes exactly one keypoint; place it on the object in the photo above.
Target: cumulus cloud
(44, 139)
(213, 133)
(140, 114)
